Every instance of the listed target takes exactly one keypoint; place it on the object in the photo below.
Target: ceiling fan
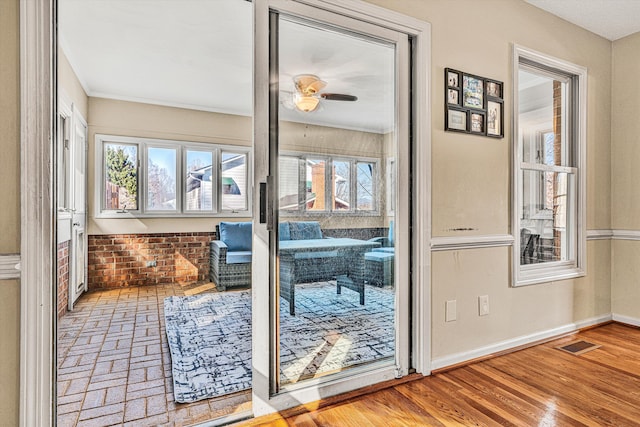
(307, 93)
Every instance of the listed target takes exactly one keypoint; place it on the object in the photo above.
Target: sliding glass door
(338, 225)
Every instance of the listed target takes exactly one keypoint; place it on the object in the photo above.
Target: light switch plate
(483, 305)
(450, 311)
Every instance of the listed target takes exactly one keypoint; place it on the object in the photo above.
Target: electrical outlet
(483, 305)
(450, 311)
(152, 263)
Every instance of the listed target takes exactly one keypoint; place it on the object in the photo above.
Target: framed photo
(476, 122)
(456, 120)
(495, 117)
(453, 96)
(473, 104)
(472, 91)
(453, 77)
(494, 89)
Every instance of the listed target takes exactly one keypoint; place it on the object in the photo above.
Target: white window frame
(576, 266)
(181, 147)
(329, 185)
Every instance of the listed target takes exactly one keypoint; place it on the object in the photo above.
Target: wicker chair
(230, 259)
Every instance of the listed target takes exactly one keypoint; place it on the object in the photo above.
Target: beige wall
(10, 212)
(124, 118)
(471, 175)
(152, 121)
(625, 140)
(69, 85)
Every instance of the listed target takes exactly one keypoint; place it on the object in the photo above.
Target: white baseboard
(443, 362)
(633, 321)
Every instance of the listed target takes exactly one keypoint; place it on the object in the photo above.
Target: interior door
(338, 227)
(78, 253)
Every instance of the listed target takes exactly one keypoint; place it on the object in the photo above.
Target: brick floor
(114, 365)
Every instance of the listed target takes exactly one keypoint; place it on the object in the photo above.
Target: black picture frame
(493, 89)
(473, 104)
(457, 120)
(473, 91)
(495, 118)
(453, 96)
(477, 122)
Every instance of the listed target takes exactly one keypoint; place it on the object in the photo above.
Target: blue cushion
(391, 236)
(236, 235)
(385, 250)
(378, 256)
(305, 230)
(239, 257)
(283, 231)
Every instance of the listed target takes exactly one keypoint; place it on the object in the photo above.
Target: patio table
(334, 256)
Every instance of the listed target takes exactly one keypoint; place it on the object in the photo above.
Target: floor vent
(578, 347)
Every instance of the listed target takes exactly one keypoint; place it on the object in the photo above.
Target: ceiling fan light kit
(306, 104)
(307, 96)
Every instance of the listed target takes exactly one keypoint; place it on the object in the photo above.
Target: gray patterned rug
(210, 337)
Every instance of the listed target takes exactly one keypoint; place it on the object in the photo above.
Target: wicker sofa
(230, 259)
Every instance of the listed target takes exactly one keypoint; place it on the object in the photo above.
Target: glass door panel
(335, 253)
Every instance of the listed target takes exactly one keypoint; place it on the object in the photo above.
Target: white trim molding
(599, 234)
(37, 355)
(627, 320)
(626, 234)
(9, 267)
(470, 242)
(466, 356)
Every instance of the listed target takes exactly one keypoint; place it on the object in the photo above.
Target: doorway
(334, 229)
(37, 262)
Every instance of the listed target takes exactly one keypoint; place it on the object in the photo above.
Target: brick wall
(63, 278)
(119, 260)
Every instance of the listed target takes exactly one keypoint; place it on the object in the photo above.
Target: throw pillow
(236, 235)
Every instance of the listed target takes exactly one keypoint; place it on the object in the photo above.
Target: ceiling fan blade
(338, 97)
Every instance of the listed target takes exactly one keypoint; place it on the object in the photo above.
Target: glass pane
(289, 170)
(120, 177)
(366, 195)
(341, 186)
(199, 181)
(161, 179)
(546, 216)
(234, 181)
(316, 185)
(542, 119)
(336, 269)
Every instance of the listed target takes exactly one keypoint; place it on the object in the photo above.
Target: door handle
(263, 203)
(266, 204)
(76, 224)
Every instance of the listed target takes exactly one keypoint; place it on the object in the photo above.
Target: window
(144, 177)
(310, 183)
(549, 168)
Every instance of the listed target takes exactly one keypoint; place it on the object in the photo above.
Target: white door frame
(37, 309)
(264, 400)
(37, 228)
(79, 239)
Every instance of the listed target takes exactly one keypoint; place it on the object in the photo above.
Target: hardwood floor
(538, 386)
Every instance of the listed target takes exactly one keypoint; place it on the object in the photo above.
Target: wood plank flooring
(538, 386)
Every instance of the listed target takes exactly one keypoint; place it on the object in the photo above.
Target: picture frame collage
(473, 104)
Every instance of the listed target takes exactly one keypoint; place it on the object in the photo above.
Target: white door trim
(36, 228)
(420, 32)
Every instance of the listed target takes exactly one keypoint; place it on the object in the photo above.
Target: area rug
(209, 337)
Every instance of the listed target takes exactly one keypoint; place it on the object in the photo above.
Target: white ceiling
(611, 19)
(198, 54)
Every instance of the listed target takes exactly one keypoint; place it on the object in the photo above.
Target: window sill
(548, 274)
(135, 215)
